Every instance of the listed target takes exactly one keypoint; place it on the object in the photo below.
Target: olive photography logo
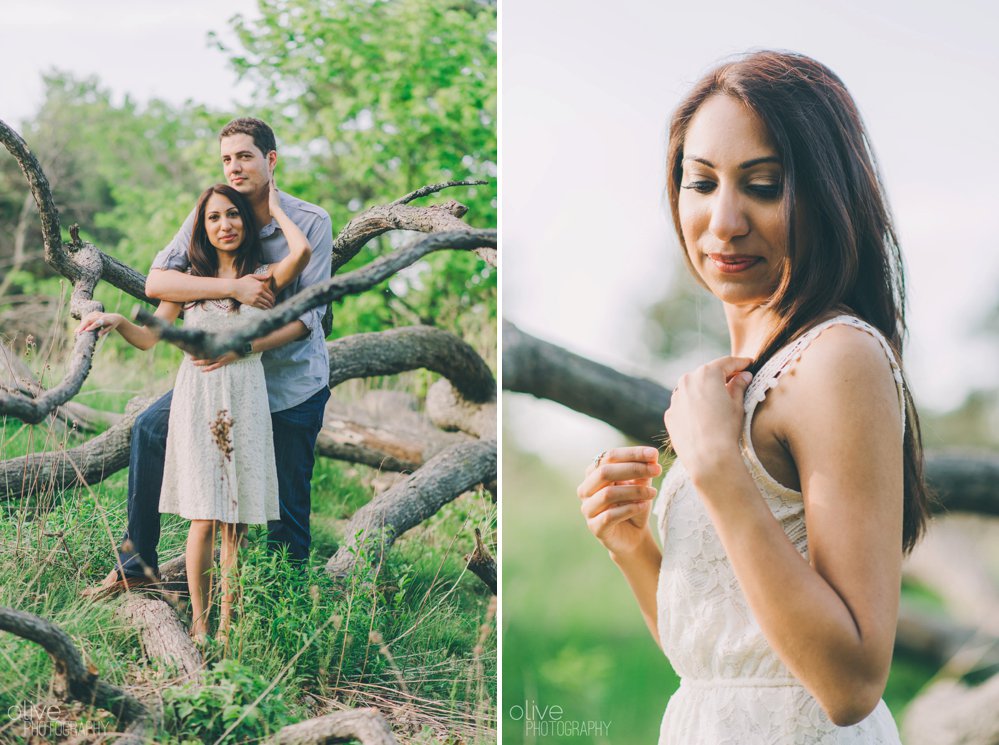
(550, 721)
(44, 720)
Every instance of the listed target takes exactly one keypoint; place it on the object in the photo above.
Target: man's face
(246, 169)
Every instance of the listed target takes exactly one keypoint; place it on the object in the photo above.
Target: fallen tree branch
(54, 472)
(72, 679)
(410, 348)
(214, 344)
(482, 563)
(963, 481)
(451, 412)
(374, 527)
(366, 726)
(164, 638)
(384, 431)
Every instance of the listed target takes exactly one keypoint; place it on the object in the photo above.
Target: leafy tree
(373, 99)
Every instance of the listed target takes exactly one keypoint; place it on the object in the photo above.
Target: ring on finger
(600, 457)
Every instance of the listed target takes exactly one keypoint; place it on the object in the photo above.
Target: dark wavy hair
(203, 255)
(833, 187)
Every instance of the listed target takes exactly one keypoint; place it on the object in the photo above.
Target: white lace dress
(220, 449)
(734, 690)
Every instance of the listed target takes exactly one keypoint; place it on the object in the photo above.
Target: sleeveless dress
(734, 690)
(220, 450)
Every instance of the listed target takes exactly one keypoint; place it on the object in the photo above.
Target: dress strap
(774, 368)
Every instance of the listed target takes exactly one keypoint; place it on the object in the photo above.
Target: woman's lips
(733, 263)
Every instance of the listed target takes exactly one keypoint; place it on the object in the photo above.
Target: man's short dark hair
(263, 135)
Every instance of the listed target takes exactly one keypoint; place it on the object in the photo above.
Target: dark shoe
(116, 583)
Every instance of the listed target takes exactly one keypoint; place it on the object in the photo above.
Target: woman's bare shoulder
(844, 368)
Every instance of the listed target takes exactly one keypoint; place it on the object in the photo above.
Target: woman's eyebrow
(744, 165)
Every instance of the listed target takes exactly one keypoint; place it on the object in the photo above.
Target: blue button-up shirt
(296, 371)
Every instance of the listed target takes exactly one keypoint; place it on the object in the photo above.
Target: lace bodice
(706, 627)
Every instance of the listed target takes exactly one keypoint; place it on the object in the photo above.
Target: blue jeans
(295, 431)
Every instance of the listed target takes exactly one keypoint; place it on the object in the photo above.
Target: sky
(587, 89)
(145, 49)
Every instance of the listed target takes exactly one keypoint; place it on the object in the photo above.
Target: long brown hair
(203, 255)
(833, 187)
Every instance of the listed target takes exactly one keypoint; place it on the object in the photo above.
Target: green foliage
(226, 698)
(371, 100)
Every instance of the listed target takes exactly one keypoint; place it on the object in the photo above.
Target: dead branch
(963, 481)
(451, 412)
(632, 405)
(163, 637)
(214, 344)
(16, 376)
(374, 527)
(396, 215)
(384, 431)
(410, 348)
(57, 471)
(366, 726)
(482, 563)
(73, 680)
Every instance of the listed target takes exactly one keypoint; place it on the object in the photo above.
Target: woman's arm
(288, 333)
(299, 250)
(181, 287)
(616, 499)
(138, 336)
(831, 619)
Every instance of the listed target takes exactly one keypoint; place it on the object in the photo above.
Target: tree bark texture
(28, 476)
(964, 481)
(164, 638)
(410, 348)
(374, 527)
(366, 726)
(383, 431)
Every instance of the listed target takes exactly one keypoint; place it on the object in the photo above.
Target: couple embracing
(206, 450)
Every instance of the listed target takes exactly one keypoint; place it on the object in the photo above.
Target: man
(297, 373)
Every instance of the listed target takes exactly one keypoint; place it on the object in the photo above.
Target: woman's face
(730, 203)
(223, 223)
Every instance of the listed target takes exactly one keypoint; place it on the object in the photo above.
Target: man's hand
(215, 364)
(254, 290)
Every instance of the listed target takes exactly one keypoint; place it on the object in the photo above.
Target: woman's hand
(217, 362)
(617, 496)
(104, 322)
(704, 419)
(273, 197)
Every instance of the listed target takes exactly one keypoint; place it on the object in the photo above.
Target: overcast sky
(145, 49)
(587, 89)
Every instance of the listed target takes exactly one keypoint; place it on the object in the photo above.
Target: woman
(219, 470)
(803, 444)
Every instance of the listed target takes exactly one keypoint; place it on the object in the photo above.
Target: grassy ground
(417, 639)
(572, 634)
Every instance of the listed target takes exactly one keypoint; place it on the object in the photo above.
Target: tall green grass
(406, 638)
